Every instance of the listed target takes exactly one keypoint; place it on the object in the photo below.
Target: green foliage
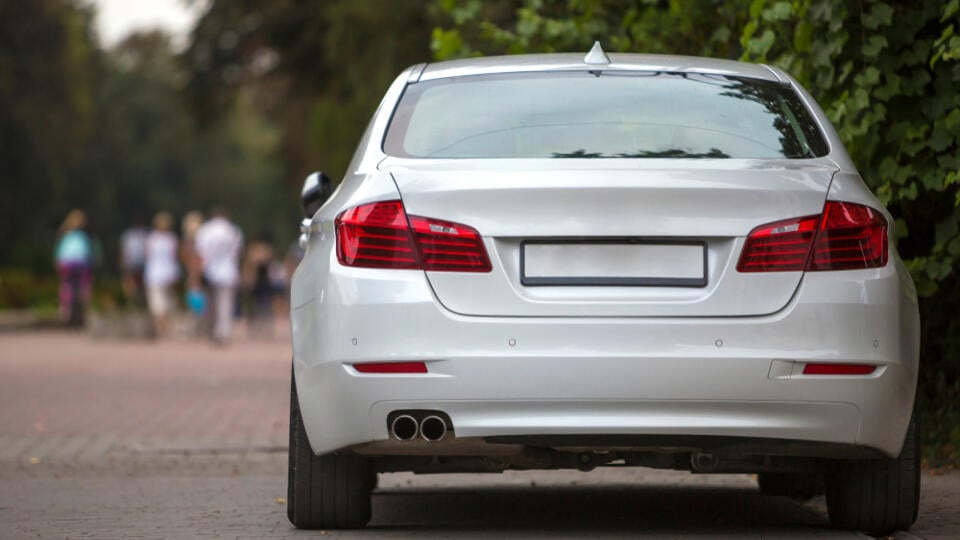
(148, 154)
(46, 96)
(20, 288)
(675, 27)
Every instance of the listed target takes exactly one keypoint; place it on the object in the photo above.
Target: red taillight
(376, 236)
(851, 236)
(779, 247)
(838, 369)
(449, 246)
(379, 235)
(391, 367)
(847, 236)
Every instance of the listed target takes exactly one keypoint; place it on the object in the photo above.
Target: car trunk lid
(613, 237)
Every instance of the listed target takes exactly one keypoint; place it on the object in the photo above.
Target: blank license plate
(615, 263)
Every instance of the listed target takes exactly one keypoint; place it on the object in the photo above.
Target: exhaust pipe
(404, 427)
(704, 462)
(433, 428)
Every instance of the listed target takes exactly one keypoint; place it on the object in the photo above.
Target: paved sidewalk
(124, 439)
(65, 397)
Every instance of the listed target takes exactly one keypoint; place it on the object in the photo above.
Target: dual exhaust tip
(406, 428)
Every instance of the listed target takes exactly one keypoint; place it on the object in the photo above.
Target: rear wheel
(324, 492)
(795, 485)
(877, 496)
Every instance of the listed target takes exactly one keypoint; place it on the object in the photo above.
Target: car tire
(876, 496)
(331, 491)
(800, 486)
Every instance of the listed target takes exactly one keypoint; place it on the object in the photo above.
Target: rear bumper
(725, 377)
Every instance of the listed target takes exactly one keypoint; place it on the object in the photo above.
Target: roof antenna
(596, 56)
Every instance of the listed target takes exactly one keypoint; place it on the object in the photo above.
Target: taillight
(851, 236)
(380, 235)
(376, 236)
(779, 247)
(847, 236)
(449, 246)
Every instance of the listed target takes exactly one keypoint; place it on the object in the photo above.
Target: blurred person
(188, 251)
(161, 271)
(194, 296)
(74, 257)
(258, 263)
(133, 243)
(218, 244)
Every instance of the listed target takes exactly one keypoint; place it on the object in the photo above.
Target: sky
(117, 18)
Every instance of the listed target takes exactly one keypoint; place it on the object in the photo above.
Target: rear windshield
(602, 115)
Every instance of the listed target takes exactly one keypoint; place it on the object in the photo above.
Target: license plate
(614, 263)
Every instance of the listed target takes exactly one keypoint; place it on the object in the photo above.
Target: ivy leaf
(946, 230)
(447, 44)
(910, 192)
(780, 11)
(952, 122)
(947, 161)
(746, 36)
(940, 139)
(880, 15)
(953, 177)
(953, 247)
(884, 193)
(761, 45)
(803, 36)
(950, 10)
(890, 89)
(869, 77)
(887, 168)
(721, 35)
(874, 45)
(900, 229)
(932, 181)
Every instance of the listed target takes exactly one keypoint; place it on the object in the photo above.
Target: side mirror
(317, 188)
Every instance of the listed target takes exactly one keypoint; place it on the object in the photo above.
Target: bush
(21, 289)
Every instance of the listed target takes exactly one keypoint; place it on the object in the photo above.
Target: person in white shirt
(161, 270)
(133, 247)
(219, 243)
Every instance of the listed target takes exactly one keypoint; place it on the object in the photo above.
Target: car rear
(656, 261)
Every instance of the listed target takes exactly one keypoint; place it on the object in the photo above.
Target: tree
(47, 64)
(315, 69)
(148, 154)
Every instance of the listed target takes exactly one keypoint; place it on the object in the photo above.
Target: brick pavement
(66, 397)
(178, 439)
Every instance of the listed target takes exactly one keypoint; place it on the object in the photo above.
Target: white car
(558, 261)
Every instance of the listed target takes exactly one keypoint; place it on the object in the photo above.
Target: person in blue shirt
(74, 256)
